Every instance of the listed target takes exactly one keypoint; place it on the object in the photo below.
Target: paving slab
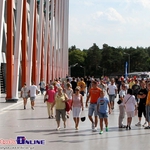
(40, 132)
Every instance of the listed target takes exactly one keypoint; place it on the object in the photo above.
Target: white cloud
(113, 15)
(145, 3)
(110, 14)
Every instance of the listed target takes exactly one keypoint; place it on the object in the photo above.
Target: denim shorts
(111, 98)
(92, 109)
(103, 115)
(32, 98)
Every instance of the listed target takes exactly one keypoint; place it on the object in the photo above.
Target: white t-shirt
(112, 89)
(33, 89)
(129, 102)
(69, 93)
(122, 93)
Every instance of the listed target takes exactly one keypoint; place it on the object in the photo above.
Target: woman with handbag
(77, 106)
(130, 104)
(122, 94)
(49, 99)
(60, 99)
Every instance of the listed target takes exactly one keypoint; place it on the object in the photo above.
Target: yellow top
(59, 101)
(148, 98)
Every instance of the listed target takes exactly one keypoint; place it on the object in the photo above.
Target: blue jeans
(92, 109)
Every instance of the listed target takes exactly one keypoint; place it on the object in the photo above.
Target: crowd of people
(132, 96)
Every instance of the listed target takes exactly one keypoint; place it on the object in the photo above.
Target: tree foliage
(109, 60)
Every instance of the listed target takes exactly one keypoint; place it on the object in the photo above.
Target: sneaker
(106, 129)
(144, 125)
(32, 108)
(58, 128)
(148, 127)
(138, 124)
(95, 129)
(101, 132)
(93, 125)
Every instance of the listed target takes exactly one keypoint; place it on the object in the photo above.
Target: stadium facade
(33, 43)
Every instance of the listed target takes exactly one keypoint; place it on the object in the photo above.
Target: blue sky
(117, 23)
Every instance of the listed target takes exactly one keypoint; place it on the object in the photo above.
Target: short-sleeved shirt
(143, 100)
(51, 96)
(33, 89)
(129, 102)
(112, 89)
(102, 104)
(95, 94)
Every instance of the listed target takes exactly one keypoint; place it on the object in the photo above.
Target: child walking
(102, 110)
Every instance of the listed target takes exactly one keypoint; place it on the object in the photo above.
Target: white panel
(2, 2)
(17, 50)
(30, 43)
(40, 33)
(46, 39)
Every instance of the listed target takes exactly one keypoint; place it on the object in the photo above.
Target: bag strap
(128, 99)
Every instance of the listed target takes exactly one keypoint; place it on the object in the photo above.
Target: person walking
(142, 95)
(148, 107)
(74, 84)
(82, 86)
(42, 86)
(51, 97)
(33, 91)
(69, 92)
(77, 106)
(112, 92)
(94, 94)
(122, 94)
(130, 104)
(102, 104)
(24, 94)
(60, 99)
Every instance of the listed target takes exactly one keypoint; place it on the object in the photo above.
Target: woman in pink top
(51, 97)
(77, 104)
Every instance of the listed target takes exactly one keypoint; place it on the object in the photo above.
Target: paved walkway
(35, 125)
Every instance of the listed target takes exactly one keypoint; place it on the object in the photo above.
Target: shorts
(141, 109)
(103, 115)
(112, 98)
(92, 109)
(32, 98)
(130, 114)
(62, 113)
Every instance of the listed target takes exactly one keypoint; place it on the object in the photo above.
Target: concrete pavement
(40, 132)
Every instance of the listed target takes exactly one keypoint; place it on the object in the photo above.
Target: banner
(126, 67)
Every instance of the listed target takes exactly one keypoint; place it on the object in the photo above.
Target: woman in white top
(24, 94)
(130, 106)
(122, 94)
(69, 92)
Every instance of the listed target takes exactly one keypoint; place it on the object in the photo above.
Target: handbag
(45, 98)
(68, 106)
(83, 117)
(119, 101)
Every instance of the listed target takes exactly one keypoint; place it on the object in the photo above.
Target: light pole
(128, 61)
(83, 69)
(71, 67)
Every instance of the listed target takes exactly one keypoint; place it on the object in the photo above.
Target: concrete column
(17, 50)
